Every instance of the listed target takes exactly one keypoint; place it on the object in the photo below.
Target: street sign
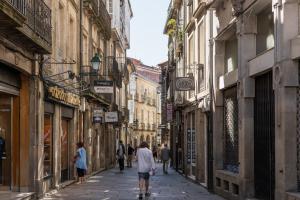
(111, 117)
(184, 83)
(169, 112)
(104, 86)
(98, 115)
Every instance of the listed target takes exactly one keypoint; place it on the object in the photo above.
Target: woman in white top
(145, 166)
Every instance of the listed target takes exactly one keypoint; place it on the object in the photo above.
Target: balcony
(177, 4)
(153, 127)
(113, 69)
(153, 102)
(136, 97)
(102, 18)
(148, 100)
(142, 126)
(27, 23)
(125, 114)
(143, 98)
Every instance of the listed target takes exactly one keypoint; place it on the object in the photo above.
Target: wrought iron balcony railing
(39, 18)
(136, 97)
(142, 126)
(153, 127)
(98, 9)
(19, 5)
(148, 126)
(36, 15)
(125, 113)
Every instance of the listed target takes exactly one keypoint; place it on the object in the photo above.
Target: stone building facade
(47, 90)
(144, 107)
(24, 38)
(251, 51)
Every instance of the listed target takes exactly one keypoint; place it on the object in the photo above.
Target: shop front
(61, 130)
(14, 105)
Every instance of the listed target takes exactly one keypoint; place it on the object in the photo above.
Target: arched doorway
(142, 138)
(148, 140)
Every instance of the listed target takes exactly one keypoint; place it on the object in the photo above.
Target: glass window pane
(47, 145)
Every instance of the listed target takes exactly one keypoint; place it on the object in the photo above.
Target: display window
(65, 150)
(48, 145)
(5, 141)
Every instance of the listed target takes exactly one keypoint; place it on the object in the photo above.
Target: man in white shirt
(145, 166)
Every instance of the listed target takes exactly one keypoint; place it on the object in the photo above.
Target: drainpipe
(210, 157)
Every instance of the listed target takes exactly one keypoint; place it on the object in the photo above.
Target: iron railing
(102, 16)
(38, 16)
(39, 19)
(231, 137)
(19, 5)
(298, 133)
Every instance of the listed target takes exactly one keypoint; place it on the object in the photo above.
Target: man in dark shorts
(130, 152)
(145, 166)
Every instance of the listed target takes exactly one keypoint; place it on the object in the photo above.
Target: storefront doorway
(191, 145)
(65, 168)
(5, 141)
(264, 137)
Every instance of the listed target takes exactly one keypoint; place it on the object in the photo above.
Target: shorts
(80, 172)
(144, 175)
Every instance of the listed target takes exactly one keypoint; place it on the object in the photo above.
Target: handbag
(152, 172)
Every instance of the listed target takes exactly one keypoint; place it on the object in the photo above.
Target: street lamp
(96, 61)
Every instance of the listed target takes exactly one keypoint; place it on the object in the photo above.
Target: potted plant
(179, 46)
(171, 25)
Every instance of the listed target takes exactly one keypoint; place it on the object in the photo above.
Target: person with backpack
(121, 155)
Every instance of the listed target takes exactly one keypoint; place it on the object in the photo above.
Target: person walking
(145, 166)
(80, 162)
(154, 149)
(165, 157)
(130, 152)
(121, 155)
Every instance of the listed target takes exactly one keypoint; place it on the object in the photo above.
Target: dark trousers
(121, 163)
(165, 166)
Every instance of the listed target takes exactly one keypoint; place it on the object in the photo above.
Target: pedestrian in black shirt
(130, 152)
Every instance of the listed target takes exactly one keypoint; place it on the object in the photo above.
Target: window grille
(231, 144)
(298, 133)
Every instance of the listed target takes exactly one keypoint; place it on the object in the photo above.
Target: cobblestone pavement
(111, 185)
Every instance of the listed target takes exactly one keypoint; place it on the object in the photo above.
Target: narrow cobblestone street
(111, 185)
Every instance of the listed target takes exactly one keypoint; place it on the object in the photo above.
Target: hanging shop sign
(184, 83)
(60, 95)
(104, 86)
(98, 115)
(111, 117)
(169, 112)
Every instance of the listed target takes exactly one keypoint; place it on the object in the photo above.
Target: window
(190, 8)
(191, 60)
(265, 30)
(231, 137)
(231, 59)
(201, 57)
(48, 127)
(110, 6)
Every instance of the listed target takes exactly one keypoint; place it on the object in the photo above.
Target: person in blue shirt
(80, 162)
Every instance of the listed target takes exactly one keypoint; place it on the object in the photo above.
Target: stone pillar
(56, 144)
(246, 34)
(286, 83)
(219, 50)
